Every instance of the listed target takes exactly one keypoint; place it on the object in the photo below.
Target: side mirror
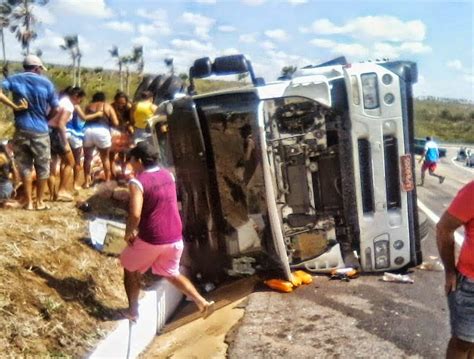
(202, 68)
(232, 64)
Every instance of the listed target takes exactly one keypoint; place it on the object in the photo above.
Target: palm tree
(169, 65)
(71, 46)
(287, 72)
(23, 21)
(5, 13)
(127, 61)
(138, 59)
(114, 52)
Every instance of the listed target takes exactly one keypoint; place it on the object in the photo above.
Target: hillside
(448, 121)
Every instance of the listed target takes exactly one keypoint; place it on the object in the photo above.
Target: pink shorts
(162, 258)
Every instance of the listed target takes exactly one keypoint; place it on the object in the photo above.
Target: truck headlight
(370, 91)
(382, 254)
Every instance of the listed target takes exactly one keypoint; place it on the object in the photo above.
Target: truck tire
(143, 86)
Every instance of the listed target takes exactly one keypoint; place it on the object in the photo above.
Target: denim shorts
(6, 190)
(461, 309)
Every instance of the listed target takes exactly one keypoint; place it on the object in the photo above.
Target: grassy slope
(446, 121)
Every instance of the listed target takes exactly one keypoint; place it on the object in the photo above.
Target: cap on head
(33, 60)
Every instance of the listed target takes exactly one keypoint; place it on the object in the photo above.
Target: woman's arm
(23, 104)
(87, 117)
(110, 112)
(134, 213)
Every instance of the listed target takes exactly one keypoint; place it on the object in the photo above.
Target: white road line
(463, 167)
(431, 215)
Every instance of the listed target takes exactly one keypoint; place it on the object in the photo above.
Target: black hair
(146, 153)
(428, 138)
(98, 97)
(73, 91)
(29, 67)
(120, 94)
(145, 95)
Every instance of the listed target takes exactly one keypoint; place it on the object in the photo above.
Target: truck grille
(392, 173)
(366, 178)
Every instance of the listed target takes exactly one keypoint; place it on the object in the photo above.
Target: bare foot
(64, 197)
(28, 206)
(131, 315)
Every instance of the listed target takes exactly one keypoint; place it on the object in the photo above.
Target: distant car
(469, 158)
(462, 154)
(419, 144)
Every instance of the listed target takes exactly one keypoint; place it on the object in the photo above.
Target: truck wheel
(143, 86)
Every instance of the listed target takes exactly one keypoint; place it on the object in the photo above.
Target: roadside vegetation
(446, 120)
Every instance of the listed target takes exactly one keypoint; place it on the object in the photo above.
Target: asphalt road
(364, 318)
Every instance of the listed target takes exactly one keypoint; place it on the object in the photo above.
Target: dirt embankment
(58, 296)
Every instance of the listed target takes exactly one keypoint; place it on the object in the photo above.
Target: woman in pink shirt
(154, 231)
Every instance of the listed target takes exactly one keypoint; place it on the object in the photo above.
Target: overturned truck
(313, 171)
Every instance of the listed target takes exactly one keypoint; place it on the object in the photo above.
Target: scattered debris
(400, 278)
(280, 285)
(242, 266)
(344, 274)
(433, 264)
(297, 278)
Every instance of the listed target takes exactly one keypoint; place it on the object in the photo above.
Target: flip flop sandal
(44, 208)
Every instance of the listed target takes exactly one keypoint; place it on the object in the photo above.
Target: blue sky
(438, 35)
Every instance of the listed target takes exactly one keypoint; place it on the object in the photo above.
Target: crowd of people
(58, 143)
(52, 135)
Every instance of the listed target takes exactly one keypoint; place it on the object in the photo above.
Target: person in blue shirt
(430, 158)
(31, 141)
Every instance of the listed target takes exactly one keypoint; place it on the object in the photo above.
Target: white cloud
(373, 27)
(297, 2)
(202, 24)
(226, 28)
(354, 49)
(455, 64)
(154, 29)
(145, 41)
(88, 8)
(159, 22)
(253, 2)
(230, 51)
(277, 34)
(268, 45)
(44, 15)
(415, 47)
(248, 38)
(122, 26)
(324, 43)
(270, 68)
(158, 14)
(191, 45)
(393, 51)
(50, 41)
(458, 66)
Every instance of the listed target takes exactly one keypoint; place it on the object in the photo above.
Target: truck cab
(315, 171)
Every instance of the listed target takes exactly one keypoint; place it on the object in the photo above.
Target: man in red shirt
(459, 285)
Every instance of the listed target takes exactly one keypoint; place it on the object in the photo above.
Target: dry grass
(57, 295)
